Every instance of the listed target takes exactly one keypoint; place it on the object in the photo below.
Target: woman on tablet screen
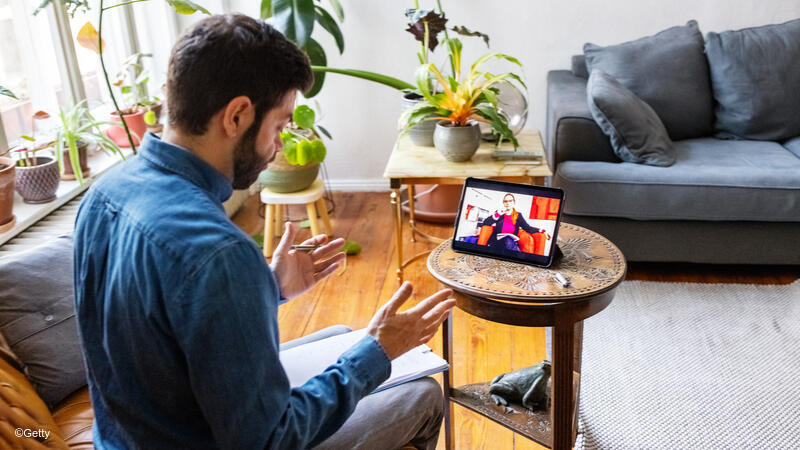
(506, 225)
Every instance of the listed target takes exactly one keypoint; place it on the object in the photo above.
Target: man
(177, 308)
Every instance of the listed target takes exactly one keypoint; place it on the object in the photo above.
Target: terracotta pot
(38, 183)
(135, 122)
(422, 133)
(281, 176)
(436, 203)
(7, 218)
(69, 174)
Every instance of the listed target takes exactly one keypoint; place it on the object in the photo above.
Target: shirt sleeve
(525, 226)
(226, 324)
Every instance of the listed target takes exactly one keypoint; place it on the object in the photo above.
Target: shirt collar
(187, 165)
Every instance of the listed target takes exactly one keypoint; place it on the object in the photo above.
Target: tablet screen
(510, 221)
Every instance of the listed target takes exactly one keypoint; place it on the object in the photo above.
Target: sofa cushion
(793, 145)
(37, 317)
(755, 74)
(711, 179)
(669, 71)
(636, 132)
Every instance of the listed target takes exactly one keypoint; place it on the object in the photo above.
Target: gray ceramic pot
(281, 176)
(38, 183)
(421, 134)
(457, 144)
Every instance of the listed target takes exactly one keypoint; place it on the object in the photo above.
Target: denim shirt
(177, 311)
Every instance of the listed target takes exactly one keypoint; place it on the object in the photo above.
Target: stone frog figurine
(527, 386)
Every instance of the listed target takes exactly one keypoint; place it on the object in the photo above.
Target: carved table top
(591, 262)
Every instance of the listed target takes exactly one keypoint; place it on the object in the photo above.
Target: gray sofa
(731, 201)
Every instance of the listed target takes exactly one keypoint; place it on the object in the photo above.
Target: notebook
(306, 361)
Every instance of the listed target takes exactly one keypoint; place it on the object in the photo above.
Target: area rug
(693, 366)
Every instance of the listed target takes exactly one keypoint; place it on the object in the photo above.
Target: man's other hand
(299, 271)
(399, 332)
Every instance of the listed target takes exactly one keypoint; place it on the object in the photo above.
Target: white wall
(362, 116)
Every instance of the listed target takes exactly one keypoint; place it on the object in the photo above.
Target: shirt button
(48, 318)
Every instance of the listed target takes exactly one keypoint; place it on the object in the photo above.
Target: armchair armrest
(572, 134)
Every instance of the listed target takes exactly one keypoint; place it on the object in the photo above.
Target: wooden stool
(276, 210)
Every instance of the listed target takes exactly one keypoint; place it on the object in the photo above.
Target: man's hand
(400, 332)
(299, 271)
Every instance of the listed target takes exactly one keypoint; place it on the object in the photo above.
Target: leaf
(150, 117)
(295, 19)
(28, 138)
(325, 132)
(125, 89)
(318, 151)
(187, 7)
(290, 152)
(41, 115)
(324, 18)
(464, 31)
(316, 55)
(303, 152)
(351, 248)
(304, 116)
(337, 9)
(418, 18)
(7, 93)
(266, 9)
(498, 121)
(369, 76)
(87, 38)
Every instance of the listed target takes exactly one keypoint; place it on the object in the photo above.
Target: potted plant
(78, 130)
(462, 103)
(143, 110)
(36, 177)
(7, 218)
(297, 165)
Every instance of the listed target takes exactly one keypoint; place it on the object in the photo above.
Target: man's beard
(247, 164)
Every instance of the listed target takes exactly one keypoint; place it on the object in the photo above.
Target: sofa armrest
(572, 134)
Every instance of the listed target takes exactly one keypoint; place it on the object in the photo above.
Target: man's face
(259, 144)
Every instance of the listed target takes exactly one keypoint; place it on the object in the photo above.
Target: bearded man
(177, 307)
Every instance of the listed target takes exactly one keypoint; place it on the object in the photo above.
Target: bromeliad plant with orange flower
(462, 99)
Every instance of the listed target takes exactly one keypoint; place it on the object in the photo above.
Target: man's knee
(429, 395)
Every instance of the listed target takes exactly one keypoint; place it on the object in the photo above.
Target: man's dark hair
(225, 56)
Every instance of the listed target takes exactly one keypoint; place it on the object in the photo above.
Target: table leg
(411, 194)
(322, 207)
(447, 352)
(397, 211)
(563, 362)
(269, 229)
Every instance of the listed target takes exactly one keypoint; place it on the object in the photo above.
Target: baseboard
(359, 185)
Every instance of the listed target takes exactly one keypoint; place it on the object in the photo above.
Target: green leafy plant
(296, 20)
(131, 79)
(302, 143)
(462, 99)
(78, 126)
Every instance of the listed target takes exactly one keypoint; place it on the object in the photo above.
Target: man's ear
(237, 116)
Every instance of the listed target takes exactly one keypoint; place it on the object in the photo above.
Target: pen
(305, 248)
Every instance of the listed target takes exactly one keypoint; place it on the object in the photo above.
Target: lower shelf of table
(536, 426)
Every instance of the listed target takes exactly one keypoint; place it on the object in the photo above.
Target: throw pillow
(669, 71)
(755, 75)
(37, 317)
(637, 134)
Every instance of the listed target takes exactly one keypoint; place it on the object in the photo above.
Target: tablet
(509, 221)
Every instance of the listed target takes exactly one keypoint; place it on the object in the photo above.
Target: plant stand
(276, 203)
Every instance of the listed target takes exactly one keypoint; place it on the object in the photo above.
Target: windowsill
(28, 214)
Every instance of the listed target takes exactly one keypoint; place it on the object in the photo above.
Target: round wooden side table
(517, 294)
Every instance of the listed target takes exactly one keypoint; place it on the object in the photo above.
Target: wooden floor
(482, 349)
